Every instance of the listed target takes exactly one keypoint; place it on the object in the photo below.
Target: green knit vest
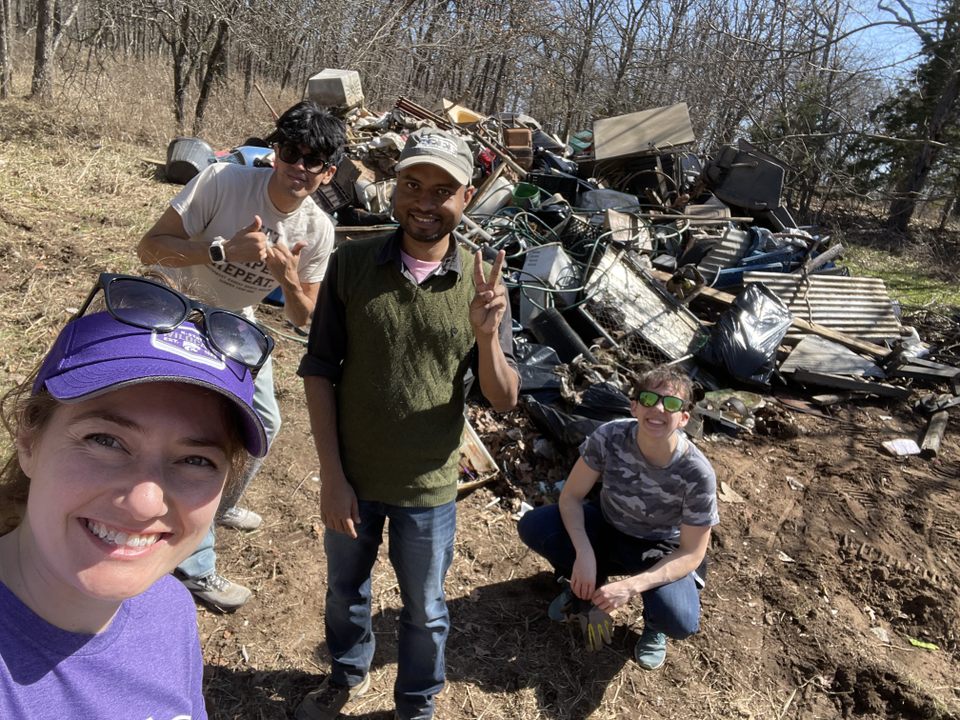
(400, 399)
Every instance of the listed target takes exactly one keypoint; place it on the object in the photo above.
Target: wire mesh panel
(624, 299)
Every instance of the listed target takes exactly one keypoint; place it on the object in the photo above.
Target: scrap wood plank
(848, 383)
(934, 436)
(922, 368)
(920, 372)
(802, 406)
(476, 462)
(876, 351)
(822, 259)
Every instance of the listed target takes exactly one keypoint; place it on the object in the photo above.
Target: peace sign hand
(490, 301)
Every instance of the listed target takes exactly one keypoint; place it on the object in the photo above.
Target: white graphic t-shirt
(222, 200)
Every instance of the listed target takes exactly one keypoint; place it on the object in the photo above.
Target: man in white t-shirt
(232, 236)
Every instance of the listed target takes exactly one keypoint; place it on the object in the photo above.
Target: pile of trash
(624, 247)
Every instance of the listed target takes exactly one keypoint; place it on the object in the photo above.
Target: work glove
(597, 627)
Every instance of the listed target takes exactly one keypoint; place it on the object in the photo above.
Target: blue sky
(893, 48)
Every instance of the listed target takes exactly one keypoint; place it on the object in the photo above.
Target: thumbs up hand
(248, 245)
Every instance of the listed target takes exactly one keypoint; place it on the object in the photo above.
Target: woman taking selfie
(122, 444)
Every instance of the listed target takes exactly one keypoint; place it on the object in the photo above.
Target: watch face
(216, 253)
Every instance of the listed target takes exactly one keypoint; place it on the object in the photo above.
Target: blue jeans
(203, 561)
(421, 550)
(673, 609)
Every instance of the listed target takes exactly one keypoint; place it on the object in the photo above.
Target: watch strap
(217, 251)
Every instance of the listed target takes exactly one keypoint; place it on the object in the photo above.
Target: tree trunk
(942, 119)
(909, 189)
(247, 75)
(216, 64)
(41, 86)
(945, 213)
(6, 68)
(494, 104)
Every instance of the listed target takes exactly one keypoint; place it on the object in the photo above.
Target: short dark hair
(306, 123)
(664, 375)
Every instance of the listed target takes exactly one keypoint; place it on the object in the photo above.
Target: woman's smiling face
(122, 488)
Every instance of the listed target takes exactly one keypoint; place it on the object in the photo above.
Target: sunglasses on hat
(151, 305)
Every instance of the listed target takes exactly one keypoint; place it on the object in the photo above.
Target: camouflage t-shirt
(644, 500)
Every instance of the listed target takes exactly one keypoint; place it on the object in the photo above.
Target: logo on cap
(188, 343)
(439, 143)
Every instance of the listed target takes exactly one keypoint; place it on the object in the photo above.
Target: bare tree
(940, 79)
(215, 70)
(41, 85)
(6, 66)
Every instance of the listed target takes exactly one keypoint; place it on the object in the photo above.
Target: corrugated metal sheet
(728, 251)
(857, 306)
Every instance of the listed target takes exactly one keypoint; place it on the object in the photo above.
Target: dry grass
(77, 185)
(125, 100)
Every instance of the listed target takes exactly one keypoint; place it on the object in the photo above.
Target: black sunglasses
(151, 305)
(671, 403)
(290, 153)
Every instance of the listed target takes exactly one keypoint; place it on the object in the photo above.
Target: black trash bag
(563, 428)
(535, 364)
(746, 337)
(603, 402)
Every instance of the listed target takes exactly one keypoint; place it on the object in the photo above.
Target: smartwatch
(217, 252)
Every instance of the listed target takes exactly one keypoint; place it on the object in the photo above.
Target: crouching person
(651, 523)
(122, 444)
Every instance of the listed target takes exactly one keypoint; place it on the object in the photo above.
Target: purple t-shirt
(146, 665)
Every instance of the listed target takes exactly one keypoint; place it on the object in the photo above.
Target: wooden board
(658, 130)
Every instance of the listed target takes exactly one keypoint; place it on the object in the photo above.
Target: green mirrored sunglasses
(671, 403)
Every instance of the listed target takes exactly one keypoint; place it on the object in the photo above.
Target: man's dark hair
(308, 124)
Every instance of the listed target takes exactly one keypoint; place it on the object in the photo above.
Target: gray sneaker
(239, 518)
(326, 701)
(216, 590)
(651, 649)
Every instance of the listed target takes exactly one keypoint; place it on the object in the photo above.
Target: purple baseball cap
(96, 354)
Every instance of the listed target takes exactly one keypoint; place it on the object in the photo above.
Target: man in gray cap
(399, 322)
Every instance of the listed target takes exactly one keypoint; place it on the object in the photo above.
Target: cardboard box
(336, 88)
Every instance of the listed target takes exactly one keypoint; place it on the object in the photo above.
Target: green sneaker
(651, 649)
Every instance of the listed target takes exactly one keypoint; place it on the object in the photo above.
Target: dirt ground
(831, 554)
(830, 557)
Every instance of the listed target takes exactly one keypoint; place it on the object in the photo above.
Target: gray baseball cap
(443, 149)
